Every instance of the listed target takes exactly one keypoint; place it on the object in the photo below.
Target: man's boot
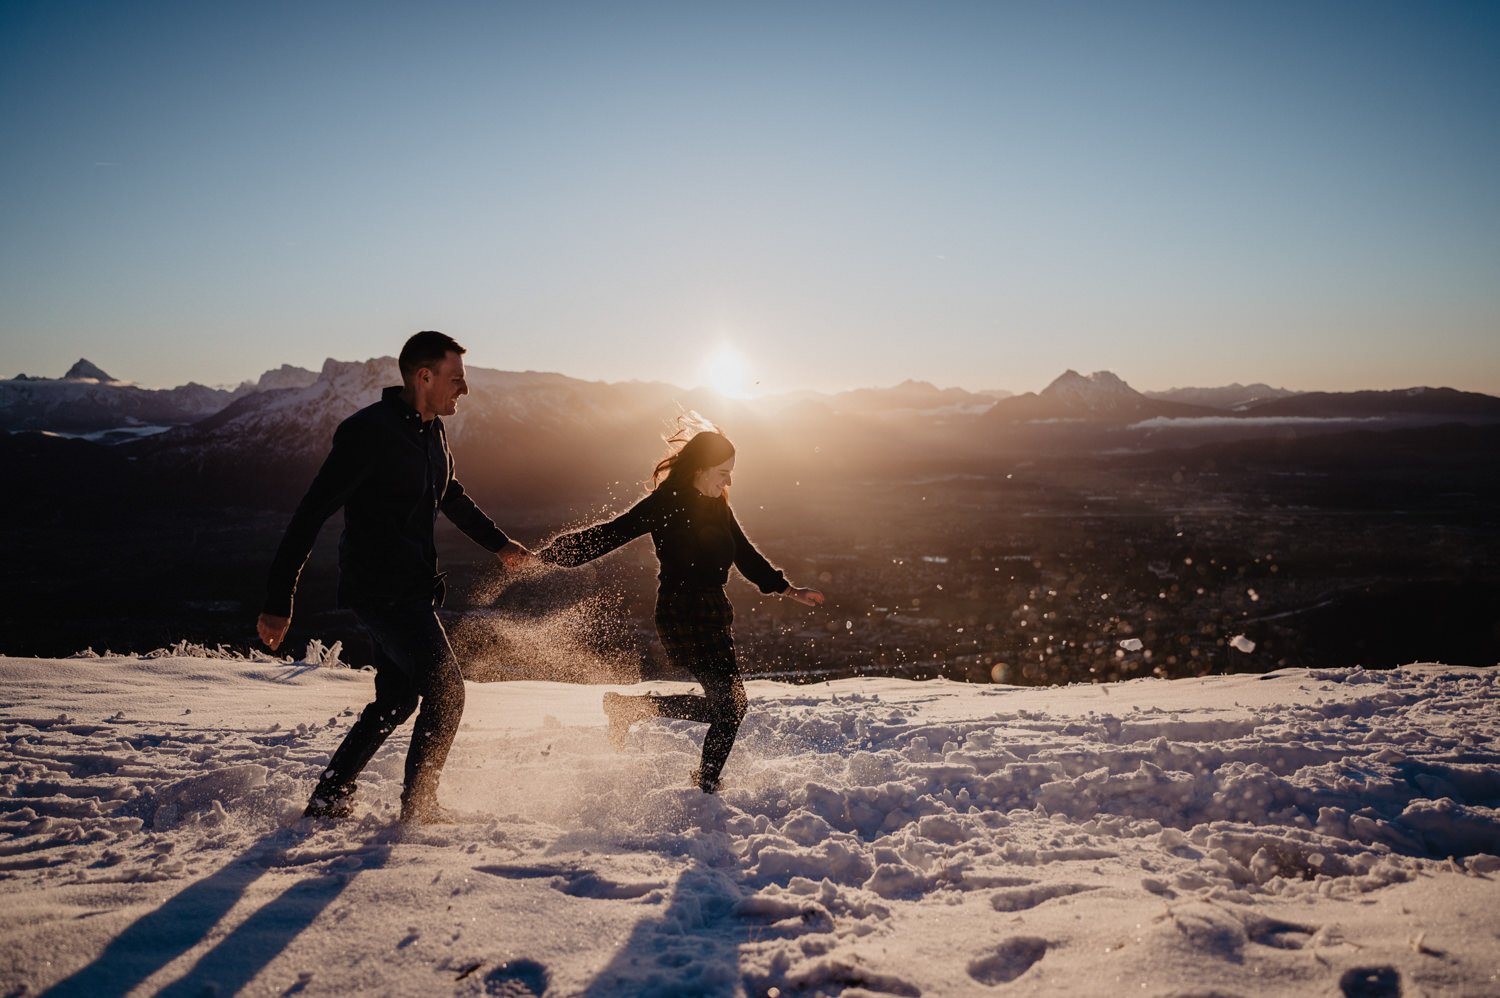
(332, 802)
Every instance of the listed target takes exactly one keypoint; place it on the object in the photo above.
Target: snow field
(1303, 832)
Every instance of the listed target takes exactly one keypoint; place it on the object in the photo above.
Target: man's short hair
(426, 349)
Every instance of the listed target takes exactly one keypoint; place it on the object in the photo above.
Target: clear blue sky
(975, 194)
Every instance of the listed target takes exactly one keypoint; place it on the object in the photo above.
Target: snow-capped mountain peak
(1101, 391)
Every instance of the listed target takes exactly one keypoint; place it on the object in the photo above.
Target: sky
(768, 195)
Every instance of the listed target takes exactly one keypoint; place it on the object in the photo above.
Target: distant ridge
(912, 395)
(1103, 398)
(285, 376)
(1403, 401)
(1228, 397)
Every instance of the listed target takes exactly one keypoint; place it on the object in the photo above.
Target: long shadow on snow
(162, 935)
(692, 949)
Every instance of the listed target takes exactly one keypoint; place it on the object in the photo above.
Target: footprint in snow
(1225, 930)
(517, 979)
(1021, 898)
(576, 882)
(1009, 961)
(1278, 934)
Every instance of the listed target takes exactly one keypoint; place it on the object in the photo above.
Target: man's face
(446, 385)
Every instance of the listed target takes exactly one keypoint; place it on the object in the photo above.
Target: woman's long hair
(693, 445)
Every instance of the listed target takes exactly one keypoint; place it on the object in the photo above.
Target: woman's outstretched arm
(580, 546)
(766, 577)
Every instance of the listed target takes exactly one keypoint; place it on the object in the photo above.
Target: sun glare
(727, 373)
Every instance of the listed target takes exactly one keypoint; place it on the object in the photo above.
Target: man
(391, 471)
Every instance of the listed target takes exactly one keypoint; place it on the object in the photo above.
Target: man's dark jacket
(391, 473)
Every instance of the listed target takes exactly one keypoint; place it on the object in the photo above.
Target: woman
(697, 538)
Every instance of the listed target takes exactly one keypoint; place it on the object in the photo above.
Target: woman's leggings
(695, 627)
(721, 707)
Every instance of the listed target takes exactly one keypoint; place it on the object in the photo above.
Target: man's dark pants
(413, 663)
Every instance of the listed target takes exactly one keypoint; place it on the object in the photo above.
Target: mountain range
(540, 432)
(86, 400)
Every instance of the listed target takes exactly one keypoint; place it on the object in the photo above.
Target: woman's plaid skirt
(696, 629)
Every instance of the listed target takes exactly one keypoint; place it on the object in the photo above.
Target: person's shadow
(694, 947)
(685, 950)
(182, 921)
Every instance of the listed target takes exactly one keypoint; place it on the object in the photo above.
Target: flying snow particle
(1241, 643)
(1131, 644)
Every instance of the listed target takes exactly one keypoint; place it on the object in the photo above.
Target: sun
(727, 372)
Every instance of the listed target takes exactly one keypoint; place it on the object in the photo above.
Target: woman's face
(713, 481)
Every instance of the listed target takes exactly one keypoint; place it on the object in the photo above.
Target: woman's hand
(807, 597)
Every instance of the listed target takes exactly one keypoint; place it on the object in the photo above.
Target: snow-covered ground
(1302, 833)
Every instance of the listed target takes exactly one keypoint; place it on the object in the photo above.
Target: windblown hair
(693, 445)
(426, 349)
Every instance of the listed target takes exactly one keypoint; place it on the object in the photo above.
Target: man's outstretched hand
(515, 557)
(272, 629)
(807, 597)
